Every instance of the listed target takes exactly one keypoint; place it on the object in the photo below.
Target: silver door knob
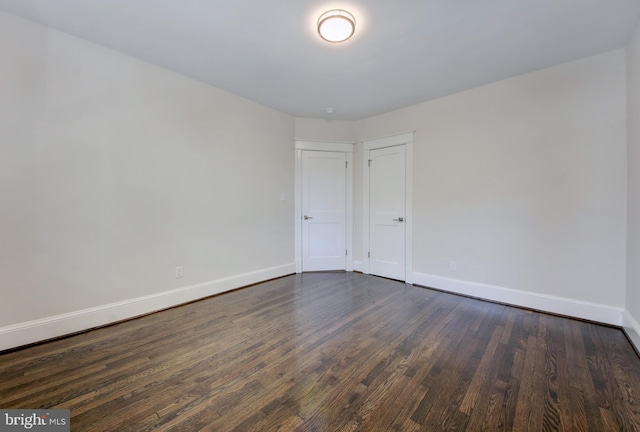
(307, 217)
(400, 219)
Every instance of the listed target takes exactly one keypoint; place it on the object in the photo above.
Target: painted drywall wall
(325, 130)
(522, 182)
(22, 54)
(633, 231)
(113, 172)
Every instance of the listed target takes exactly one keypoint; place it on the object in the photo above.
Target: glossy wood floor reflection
(335, 352)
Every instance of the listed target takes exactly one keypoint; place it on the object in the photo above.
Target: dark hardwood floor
(335, 352)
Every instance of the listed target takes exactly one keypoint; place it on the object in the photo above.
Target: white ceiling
(403, 52)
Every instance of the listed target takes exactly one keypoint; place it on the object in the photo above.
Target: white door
(387, 216)
(324, 186)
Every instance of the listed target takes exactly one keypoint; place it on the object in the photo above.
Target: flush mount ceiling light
(336, 25)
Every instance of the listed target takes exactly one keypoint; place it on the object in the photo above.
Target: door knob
(400, 219)
(307, 217)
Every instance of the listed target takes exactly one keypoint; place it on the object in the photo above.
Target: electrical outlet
(453, 266)
(179, 272)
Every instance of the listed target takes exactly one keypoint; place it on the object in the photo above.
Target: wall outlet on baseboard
(453, 266)
(179, 272)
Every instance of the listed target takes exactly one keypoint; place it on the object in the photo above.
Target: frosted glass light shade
(336, 25)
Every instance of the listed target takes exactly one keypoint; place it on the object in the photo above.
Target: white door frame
(328, 146)
(405, 139)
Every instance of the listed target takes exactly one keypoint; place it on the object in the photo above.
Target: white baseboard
(50, 327)
(543, 302)
(358, 266)
(632, 328)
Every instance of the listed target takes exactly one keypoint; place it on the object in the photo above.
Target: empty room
(418, 215)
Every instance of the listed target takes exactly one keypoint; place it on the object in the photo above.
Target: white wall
(633, 240)
(114, 171)
(523, 183)
(22, 53)
(325, 130)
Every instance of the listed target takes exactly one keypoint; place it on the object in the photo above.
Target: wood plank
(334, 352)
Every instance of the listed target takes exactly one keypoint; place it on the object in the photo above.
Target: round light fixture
(336, 25)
